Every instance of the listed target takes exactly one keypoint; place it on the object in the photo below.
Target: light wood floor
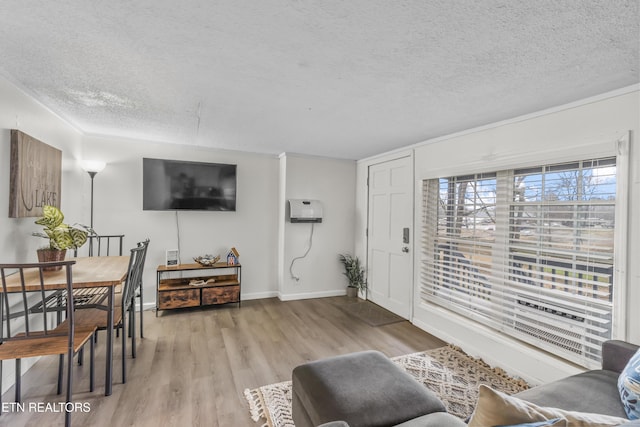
(193, 366)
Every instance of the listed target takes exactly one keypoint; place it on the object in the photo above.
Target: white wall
(19, 111)
(266, 243)
(592, 127)
(252, 228)
(256, 229)
(332, 182)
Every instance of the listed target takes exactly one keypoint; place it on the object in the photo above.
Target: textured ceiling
(335, 78)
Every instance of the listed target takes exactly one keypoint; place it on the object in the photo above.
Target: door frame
(362, 214)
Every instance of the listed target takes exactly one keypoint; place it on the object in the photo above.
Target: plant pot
(352, 292)
(49, 255)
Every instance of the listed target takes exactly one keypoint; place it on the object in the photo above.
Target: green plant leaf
(52, 217)
(62, 238)
(79, 237)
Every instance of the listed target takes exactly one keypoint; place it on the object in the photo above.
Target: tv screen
(182, 185)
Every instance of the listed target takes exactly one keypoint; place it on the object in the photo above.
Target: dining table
(88, 272)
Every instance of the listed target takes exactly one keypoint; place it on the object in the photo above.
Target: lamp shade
(93, 165)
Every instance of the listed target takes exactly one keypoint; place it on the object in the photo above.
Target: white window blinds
(528, 252)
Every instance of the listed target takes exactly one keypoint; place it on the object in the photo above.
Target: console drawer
(179, 299)
(220, 295)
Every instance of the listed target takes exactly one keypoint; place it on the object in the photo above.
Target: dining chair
(96, 297)
(104, 244)
(24, 334)
(138, 293)
(97, 317)
(99, 245)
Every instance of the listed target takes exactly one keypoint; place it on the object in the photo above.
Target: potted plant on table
(60, 235)
(354, 273)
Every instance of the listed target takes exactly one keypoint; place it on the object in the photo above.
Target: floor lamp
(92, 167)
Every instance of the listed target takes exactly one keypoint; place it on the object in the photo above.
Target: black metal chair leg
(60, 372)
(81, 356)
(124, 351)
(67, 415)
(18, 380)
(92, 351)
(133, 328)
(141, 314)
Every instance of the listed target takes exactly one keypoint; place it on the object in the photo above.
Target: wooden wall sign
(35, 176)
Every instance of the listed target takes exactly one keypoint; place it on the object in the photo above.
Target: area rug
(449, 372)
(370, 313)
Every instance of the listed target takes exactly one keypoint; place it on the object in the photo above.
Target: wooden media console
(202, 286)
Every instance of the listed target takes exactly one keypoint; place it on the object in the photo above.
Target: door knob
(405, 249)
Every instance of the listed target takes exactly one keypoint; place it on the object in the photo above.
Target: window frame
(620, 149)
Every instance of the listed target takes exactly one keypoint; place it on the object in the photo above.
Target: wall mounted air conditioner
(302, 210)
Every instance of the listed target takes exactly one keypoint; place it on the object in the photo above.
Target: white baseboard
(309, 295)
(259, 295)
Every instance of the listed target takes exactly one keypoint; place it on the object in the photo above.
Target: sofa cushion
(616, 354)
(498, 409)
(629, 387)
(570, 393)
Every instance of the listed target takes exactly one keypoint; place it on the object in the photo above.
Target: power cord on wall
(293, 276)
(178, 236)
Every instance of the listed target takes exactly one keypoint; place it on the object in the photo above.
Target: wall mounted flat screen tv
(182, 185)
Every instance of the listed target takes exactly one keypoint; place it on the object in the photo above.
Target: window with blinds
(528, 252)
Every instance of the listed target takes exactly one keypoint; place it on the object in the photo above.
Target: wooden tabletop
(88, 272)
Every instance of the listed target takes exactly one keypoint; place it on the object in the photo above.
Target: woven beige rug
(449, 372)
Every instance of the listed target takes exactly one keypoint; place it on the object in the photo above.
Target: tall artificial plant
(353, 271)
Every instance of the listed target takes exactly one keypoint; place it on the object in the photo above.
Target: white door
(390, 236)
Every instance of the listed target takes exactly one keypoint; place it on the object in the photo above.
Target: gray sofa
(341, 392)
(591, 391)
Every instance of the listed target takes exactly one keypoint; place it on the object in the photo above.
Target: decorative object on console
(354, 273)
(232, 256)
(35, 176)
(202, 282)
(207, 259)
(61, 236)
(172, 258)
